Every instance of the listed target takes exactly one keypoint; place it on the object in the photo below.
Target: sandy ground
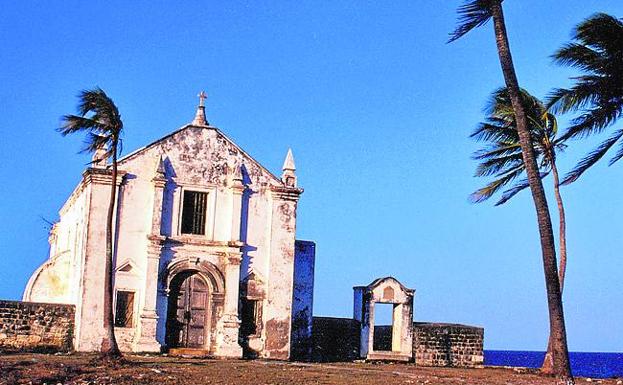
(86, 369)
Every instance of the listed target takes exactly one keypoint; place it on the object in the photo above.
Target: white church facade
(205, 253)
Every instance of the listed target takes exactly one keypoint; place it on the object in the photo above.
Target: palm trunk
(109, 348)
(548, 361)
(558, 333)
(562, 266)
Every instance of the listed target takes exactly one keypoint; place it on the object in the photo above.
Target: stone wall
(383, 337)
(335, 339)
(440, 344)
(32, 326)
(434, 344)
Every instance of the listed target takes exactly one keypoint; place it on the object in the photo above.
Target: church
(206, 259)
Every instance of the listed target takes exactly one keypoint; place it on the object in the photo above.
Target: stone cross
(202, 97)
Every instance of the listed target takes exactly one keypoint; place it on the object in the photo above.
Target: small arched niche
(380, 341)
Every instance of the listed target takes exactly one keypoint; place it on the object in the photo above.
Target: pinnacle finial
(289, 176)
(200, 116)
(288, 163)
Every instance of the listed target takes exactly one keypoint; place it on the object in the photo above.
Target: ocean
(595, 365)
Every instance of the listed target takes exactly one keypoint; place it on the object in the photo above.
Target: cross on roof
(202, 97)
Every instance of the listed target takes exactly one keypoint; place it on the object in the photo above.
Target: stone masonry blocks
(33, 326)
(440, 344)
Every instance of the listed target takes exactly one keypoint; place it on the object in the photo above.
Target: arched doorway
(189, 311)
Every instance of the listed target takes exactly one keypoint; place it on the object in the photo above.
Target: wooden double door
(188, 318)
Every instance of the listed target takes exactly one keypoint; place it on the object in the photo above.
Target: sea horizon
(543, 351)
(583, 364)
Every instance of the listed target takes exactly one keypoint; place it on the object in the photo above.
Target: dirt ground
(37, 369)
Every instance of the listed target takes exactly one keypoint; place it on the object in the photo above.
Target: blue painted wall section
(303, 300)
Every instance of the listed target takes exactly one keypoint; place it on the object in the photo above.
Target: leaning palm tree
(502, 159)
(597, 51)
(99, 118)
(473, 14)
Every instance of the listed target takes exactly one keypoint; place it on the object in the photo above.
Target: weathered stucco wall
(249, 232)
(31, 326)
(52, 280)
(439, 344)
(55, 280)
(89, 329)
(250, 214)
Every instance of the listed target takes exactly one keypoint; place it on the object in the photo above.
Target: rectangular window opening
(124, 311)
(194, 210)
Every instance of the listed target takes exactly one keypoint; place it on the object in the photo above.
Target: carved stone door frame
(193, 268)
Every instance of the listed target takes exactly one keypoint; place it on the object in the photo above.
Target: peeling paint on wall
(277, 335)
(250, 223)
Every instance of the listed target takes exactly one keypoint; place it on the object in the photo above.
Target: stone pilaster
(89, 329)
(156, 217)
(236, 216)
(227, 338)
(278, 305)
(145, 337)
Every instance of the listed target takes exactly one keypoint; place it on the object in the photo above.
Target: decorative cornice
(286, 193)
(234, 258)
(92, 175)
(238, 189)
(101, 176)
(202, 241)
(156, 238)
(159, 182)
(154, 246)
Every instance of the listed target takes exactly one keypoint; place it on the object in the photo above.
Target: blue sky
(377, 109)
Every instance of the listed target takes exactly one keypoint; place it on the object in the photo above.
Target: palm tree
(473, 14)
(502, 159)
(597, 51)
(99, 118)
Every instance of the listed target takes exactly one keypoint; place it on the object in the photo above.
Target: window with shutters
(124, 310)
(194, 210)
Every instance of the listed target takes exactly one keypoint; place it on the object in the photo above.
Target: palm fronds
(593, 157)
(502, 157)
(472, 14)
(99, 118)
(484, 193)
(518, 187)
(597, 51)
